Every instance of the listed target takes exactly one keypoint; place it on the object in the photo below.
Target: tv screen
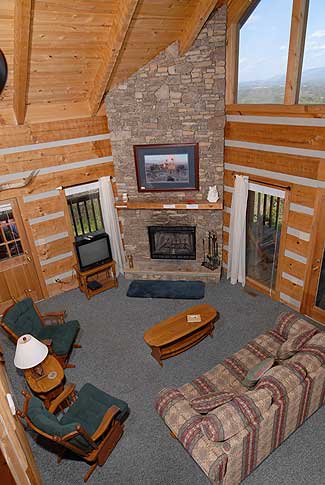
(94, 251)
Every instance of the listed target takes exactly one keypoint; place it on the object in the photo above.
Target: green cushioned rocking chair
(91, 427)
(24, 318)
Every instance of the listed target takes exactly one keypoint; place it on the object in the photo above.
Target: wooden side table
(104, 274)
(51, 384)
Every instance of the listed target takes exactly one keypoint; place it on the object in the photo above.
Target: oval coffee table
(175, 334)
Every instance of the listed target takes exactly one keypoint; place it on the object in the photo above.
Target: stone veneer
(173, 99)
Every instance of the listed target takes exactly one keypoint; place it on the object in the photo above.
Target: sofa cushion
(255, 374)
(289, 324)
(244, 411)
(295, 343)
(312, 354)
(205, 403)
(281, 379)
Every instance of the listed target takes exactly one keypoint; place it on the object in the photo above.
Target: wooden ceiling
(63, 56)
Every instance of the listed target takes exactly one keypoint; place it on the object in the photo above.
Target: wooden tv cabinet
(104, 274)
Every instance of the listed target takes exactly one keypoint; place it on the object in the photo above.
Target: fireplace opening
(172, 242)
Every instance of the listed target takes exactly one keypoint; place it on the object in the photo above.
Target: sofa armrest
(185, 424)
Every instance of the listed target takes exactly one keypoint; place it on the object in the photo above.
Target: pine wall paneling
(286, 147)
(65, 153)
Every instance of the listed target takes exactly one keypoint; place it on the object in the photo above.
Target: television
(93, 250)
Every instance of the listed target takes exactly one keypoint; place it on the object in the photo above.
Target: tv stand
(105, 275)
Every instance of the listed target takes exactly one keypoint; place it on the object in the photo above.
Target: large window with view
(263, 52)
(312, 88)
(281, 54)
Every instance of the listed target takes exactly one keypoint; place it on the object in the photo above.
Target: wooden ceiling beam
(113, 48)
(22, 27)
(296, 50)
(195, 23)
(237, 9)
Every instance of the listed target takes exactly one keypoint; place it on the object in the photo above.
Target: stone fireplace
(172, 242)
(173, 99)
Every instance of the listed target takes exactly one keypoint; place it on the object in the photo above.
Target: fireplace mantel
(169, 205)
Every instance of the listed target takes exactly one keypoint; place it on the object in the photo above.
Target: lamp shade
(29, 352)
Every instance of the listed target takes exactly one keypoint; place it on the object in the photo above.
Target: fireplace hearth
(172, 242)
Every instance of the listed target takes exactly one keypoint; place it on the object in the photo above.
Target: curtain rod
(61, 187)
(288, 187)
(271, 185)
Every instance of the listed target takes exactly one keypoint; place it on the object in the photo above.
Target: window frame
(78, 191)
(238, 12)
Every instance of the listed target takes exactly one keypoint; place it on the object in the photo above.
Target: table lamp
(30, 352)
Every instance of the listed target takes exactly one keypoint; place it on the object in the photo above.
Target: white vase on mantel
(213, 195)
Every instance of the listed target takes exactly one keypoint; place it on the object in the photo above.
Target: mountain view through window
(263, 54)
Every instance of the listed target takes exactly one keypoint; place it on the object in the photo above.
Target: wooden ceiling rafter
(22, 37)
(195, 23)
(115, 41)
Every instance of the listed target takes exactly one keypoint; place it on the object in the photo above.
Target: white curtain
(237, 234)
(111, 224)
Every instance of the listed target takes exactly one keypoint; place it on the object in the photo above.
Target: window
(312, 88)
(263, 230)
(10, 244)
(85, 210)
(263, 53)
(277, 62)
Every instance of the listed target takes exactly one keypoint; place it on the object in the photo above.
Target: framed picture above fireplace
(167, 167)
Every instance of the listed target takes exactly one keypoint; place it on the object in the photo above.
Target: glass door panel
(320, 297)
(314, 292)
(263, 230)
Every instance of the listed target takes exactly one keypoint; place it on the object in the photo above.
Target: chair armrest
(106, 422)
(54, 318)
(68, 392)
(48, 342)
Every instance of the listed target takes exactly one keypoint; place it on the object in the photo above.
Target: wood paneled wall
(65, 153)
(14, 444)
(286, 148)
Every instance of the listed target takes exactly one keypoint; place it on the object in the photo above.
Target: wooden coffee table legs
(178, 346)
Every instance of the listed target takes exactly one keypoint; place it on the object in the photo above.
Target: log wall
(285, 148)
(65, 153)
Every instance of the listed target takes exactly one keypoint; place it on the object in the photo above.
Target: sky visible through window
(263, 53)
(313, 70)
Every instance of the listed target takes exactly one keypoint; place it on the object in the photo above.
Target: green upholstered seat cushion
(50, 424)
(91, 406)
(22, 318)
(62, 336)
(45, 421)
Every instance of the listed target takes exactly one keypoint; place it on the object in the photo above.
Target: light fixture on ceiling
(3, 71)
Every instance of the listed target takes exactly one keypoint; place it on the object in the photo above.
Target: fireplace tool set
(212, 259)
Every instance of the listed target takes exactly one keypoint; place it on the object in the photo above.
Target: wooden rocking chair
(91, 427)
(25, 318)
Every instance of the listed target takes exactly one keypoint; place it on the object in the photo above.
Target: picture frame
(167, 167)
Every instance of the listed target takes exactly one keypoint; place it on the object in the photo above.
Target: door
(18, 276)
(314, 296)
(264, 219)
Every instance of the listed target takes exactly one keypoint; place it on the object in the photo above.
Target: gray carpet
(115, 358)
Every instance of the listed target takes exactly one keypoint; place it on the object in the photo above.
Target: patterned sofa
(229, 441)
